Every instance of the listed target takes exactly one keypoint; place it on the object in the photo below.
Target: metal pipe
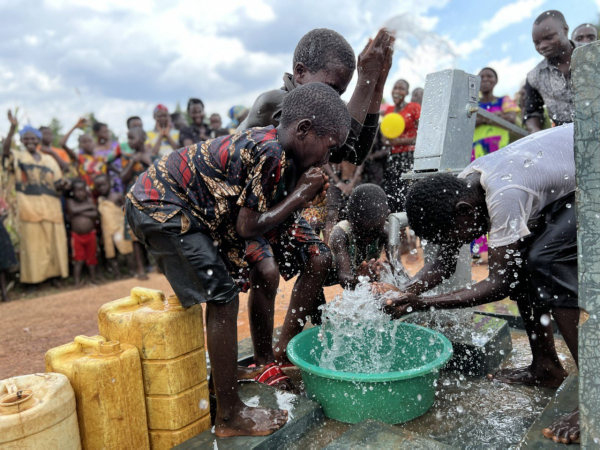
(498, 120)
(396, 223)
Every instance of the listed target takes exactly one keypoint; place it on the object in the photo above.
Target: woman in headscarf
(43, 246)
(237, 114)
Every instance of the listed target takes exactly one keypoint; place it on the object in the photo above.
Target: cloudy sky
(117, 58)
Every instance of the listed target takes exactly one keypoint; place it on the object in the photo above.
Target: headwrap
(160, 107)
(29, 128)
(234, 114)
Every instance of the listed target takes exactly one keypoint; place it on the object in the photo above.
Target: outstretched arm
(9, 136)
(63, 141)
(504, 265)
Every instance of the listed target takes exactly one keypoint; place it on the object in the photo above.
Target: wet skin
(565, 430)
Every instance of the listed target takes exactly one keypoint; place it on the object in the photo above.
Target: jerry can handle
(141, 295)
(86, 341)
(11, 387)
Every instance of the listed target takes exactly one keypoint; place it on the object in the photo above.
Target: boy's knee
(265, 274)
(320, 263)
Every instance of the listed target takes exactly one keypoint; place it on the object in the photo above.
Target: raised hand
(12, 119)
(81, 123)
(371, 59)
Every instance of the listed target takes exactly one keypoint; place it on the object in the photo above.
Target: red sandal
(271, 375)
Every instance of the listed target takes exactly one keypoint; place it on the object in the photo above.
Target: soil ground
(32, 326)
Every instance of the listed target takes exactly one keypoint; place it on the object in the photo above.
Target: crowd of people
(300, 184)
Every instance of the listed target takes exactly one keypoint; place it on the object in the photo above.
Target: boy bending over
(195, 208)
(524, 197)
(357, 243)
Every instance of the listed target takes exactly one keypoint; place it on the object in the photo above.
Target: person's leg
(304, 297)
(264, 279)
(138, 252)
(92, 271)
(77, 268)
(3, 285)
(114, 267)
(233, 418)
(566, 429)
(545, 369)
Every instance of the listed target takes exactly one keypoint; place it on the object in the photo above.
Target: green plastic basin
(391, 397)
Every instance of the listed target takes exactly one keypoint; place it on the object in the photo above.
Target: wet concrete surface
(469, 412)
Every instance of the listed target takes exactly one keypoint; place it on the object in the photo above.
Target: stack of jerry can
(107, 380)
(170, 340)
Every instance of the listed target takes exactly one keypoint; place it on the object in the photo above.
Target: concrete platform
(480, 345)
(303, 414)
(564, 402)
(371, 434)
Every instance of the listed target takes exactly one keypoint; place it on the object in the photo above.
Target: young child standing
(196, 208)
(216, 126)
(82, 214)
(88, 163)
(133, 165)
(112, 222)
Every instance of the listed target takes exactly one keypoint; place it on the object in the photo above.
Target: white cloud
(506, 16)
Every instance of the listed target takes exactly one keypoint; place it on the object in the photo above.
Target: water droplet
(545, 320)
(568, 205)
(507, 177)
(203, 404)
(527, 163)
(566, 177)
(460, 409)
(540, 154)
(209, 272)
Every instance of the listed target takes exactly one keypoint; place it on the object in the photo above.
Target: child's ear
(464, 208)
(299, 70)
(303, 128)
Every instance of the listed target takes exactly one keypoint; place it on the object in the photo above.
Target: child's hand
(81, 123)
(382, 288)
(375, 266)
(311, 184)
(403, 304)
(12, 119)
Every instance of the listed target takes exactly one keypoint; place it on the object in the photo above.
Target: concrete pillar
(586, 83)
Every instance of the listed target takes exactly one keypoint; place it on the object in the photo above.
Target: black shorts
(189, 258)
(548, 276)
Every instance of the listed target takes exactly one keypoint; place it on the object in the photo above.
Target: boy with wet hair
(324, 56)
(196, 208)
(357, 243)
(549, 83)
(585, 33)
(523, 196)
(82, 214)
(112, 222)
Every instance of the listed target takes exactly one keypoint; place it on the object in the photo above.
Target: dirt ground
(30, 327)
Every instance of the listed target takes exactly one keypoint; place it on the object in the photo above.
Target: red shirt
(411, 114)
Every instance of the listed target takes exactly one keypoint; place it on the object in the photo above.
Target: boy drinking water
(524, 196)
(82, 214)
(196, 208)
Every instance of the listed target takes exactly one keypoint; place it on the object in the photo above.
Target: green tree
(56, 128)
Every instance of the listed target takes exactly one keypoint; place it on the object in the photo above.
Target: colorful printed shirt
(411, 114)
(138, 168)
(214, 179)
(89, 166)
(489, 138)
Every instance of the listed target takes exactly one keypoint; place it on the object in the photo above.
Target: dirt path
(30, 327)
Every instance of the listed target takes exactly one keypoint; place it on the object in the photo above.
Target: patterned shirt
(212, 180)
(546, 85)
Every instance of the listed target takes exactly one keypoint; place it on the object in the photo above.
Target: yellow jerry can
(38, 411)
(107, 379)
(170, 340)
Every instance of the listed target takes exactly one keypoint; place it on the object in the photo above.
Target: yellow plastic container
(170, 340)
(107, 379)
(38, 411)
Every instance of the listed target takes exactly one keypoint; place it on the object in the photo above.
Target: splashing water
(356, 334)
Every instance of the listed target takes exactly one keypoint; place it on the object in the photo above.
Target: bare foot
(141, 276)
(531, 377)
(565, 430)
(247, 421)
